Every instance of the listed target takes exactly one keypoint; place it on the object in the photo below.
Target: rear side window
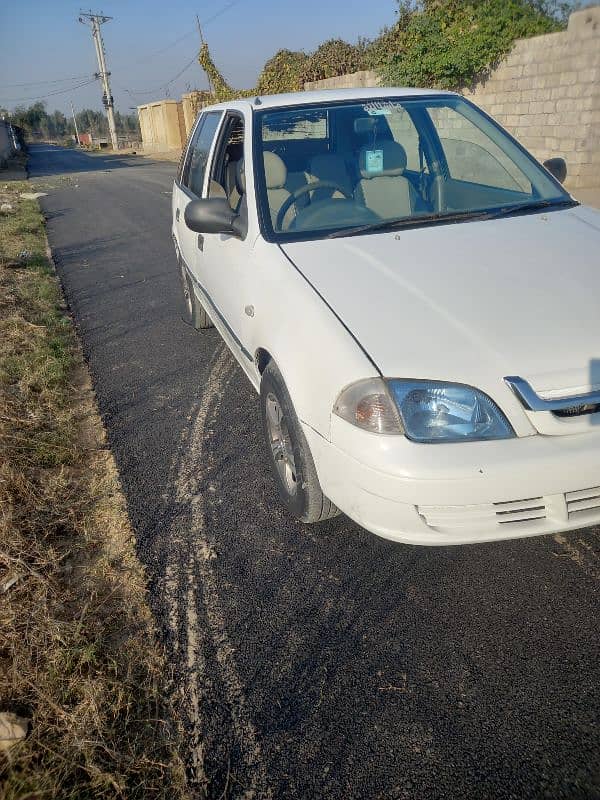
(292, 124)
(197, 158)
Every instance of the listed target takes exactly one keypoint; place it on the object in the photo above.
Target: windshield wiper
(459, 216)
(537, 205)
(407, 222)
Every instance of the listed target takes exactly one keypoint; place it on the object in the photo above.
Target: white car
(416, 299)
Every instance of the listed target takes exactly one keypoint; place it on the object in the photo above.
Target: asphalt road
(313, 662)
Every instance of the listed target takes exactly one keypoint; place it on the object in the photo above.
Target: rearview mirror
(364, 125)
(557, 167)
(212, 215)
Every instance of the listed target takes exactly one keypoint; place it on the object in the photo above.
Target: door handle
(200, 242)
(177, 216)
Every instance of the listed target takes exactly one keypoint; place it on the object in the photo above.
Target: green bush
(283, 73)
(448, 44)
(333, 58)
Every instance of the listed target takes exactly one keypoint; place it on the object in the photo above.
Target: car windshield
(350, 167)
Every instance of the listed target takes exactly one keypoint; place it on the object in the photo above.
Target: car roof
(324, 96)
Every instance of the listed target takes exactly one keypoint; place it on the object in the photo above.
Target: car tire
(193, 311)
(288, 453)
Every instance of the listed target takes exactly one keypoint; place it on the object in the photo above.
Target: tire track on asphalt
(581, 552)
(195, 581)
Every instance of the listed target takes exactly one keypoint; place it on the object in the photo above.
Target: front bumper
(460, 493)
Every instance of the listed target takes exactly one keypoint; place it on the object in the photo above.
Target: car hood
(471, 302)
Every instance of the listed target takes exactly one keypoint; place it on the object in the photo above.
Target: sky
(148, 43)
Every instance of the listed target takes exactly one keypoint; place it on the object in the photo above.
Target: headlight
(425, 411)
(432, 411)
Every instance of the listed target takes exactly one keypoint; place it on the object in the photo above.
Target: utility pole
(201, 44)
(96, 20)
(75, 123)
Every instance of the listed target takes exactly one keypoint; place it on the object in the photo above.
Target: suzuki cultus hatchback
(415, 298)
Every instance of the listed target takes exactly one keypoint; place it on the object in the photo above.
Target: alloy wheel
(281, 444)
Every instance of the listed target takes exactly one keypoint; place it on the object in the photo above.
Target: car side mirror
(212, 215)
(557, 167)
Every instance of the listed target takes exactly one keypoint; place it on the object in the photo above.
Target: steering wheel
(302, 190)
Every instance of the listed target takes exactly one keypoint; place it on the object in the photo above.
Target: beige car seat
(330, 167)
(383, 187)
(277, 194)
(237, 182)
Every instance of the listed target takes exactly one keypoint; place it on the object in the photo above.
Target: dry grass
(77, 652)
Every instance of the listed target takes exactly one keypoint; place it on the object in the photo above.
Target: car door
(223, 263)
(189, 184)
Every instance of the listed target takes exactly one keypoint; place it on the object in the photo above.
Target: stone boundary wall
(546, 92)
(192, 104)
(162, 126)
(166, 124)
(354, 80)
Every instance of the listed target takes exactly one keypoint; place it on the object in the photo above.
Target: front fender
(316, 355)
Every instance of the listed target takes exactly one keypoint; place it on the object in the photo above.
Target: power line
(164, 86)
(159, 52)
(187, 35)
(39, 83)
(221, 12)
(167, 83)
(50, 94)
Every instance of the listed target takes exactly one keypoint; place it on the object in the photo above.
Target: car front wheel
(289, 454)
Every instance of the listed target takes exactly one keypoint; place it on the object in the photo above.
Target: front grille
(520, 510)
(585, 501)
(514, 512)
(578, 411)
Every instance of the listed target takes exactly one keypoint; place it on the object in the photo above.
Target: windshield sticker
(378, 107)
(374, 161)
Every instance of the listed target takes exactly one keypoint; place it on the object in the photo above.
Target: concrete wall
(354, 80)
(192, 103)
(546, 92)
(162, 126)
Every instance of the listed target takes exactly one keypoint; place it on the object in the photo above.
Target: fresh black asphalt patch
(310, 662)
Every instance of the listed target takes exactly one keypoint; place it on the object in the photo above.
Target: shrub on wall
(282, 73)
(450, 43)
(446, 44)
(333, 58)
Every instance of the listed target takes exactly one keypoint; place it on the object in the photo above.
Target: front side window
(353, 166)
(200, 146)
(472, 156)
(227, 177)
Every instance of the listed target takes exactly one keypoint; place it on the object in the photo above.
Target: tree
(333, 58)
(37, 123)
(283, 72)
(32, 120)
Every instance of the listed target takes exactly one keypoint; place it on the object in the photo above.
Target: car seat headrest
(385, 158)
(275, 170)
